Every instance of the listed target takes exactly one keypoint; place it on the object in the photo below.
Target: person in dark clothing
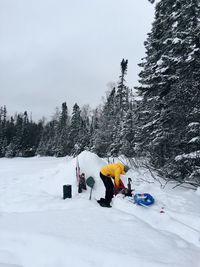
(107, 173)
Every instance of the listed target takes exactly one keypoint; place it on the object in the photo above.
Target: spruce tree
(74, 131)
(94, 127)
(128, 136)
(122, 91)
(62, 132)
(48, 143)
(104, 135)
(170, 84)
(3, 139)
(120, 110)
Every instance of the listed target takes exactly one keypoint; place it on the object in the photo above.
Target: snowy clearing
(40, 229)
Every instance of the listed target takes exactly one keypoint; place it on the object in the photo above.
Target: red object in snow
(121, 184)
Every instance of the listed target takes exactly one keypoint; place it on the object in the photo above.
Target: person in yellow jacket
(108, 173)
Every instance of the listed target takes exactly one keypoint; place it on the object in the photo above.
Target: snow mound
(90, 163)
(38, 228)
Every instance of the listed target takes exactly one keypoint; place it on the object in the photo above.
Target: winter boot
(101, 200)
(105, 205)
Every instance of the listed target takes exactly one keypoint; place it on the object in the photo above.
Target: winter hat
(126, 168)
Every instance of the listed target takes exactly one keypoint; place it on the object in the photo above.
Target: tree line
(160, 122)
(101, 130)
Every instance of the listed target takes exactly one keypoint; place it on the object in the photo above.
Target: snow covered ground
(40, 229)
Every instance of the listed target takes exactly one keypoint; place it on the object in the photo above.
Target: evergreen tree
(63, 132)
(3, 140)
(76, 142)
(10, 129)
(10, 134)
(187, 157)
(25, 141)
(1, 134)
(128, 136)
(104, 135)
(120, 110)
(84, 137)
(48, 145)
(169, 83)
(122, 91)
(94, 128)
(17, 140)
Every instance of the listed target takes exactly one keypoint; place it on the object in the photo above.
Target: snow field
(38, 228)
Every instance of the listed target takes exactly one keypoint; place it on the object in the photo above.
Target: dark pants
(109, 187)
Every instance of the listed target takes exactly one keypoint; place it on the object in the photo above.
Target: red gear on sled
(118, 189)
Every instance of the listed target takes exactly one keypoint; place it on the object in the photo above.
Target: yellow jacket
(114, 170)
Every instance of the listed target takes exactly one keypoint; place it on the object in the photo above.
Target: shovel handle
(90, 193)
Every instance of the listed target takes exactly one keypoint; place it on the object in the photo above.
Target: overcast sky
(53, 51)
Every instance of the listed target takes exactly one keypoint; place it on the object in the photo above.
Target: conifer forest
(159, 119)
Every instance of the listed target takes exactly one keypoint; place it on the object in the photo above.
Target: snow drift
(40, 229)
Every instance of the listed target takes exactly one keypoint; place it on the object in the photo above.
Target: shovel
(90, 182)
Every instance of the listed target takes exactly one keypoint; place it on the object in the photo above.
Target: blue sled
(143, 199)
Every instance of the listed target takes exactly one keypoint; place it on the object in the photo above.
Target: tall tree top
(124, 66)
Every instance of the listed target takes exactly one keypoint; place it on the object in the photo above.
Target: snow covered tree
(106, 126)
(122, 94)
(78, 132)
(187, 157)
(128, 136)
(17, 140)
(3, 139)
(120, 110)
(47, 145)
(62, 132)
(169, 82)
(74, 128)
(94, 127)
